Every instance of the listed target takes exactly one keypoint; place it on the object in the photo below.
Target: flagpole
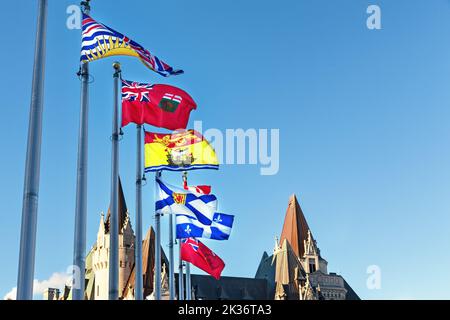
(138, 248)
(157, 288)
(188, 265)
(188, 281)
(79, 251)
(114, 206)
(172, 260)
(25, 276)
(180, 274)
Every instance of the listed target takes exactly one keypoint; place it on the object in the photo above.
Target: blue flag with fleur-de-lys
(218, 229)
(196, 213)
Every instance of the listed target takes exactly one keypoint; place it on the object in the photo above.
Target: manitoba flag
(159, 105)
(202, 257)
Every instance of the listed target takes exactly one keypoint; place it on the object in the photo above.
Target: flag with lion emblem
(178, 151)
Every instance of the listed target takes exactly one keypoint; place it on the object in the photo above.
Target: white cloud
(11, 295)
(56, 280)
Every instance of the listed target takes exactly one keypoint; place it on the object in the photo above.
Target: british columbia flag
(100, 41)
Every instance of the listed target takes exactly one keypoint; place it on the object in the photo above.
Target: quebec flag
(196, 214)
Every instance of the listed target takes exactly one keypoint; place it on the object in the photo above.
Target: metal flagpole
(138, 249)
(79, 251)
(114, 205)
(180, 274)
(188, 281)
(188, 265)
(172, 260)
(32, 166)
(157, 281)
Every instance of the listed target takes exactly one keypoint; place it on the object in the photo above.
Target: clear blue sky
(363, 118)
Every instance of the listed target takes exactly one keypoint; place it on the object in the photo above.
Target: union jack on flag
(135, 91)
(202, 257)
(100, 41)
(193, 243)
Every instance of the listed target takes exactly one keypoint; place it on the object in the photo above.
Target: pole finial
(116, 65)
(86, 6)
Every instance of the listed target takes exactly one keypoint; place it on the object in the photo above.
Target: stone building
(295, 270)
(97, 260)
(51, 294)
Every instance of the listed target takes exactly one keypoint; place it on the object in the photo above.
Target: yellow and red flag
(179, 151)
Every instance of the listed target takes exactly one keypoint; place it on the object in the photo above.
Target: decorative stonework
(310, 280)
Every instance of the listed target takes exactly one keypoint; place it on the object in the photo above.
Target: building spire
(123, 211)
(101, 231)
(277, 245)
(295, 228)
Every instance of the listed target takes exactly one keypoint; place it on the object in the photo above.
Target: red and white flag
(197, 189)
(202, 257)
(159, 105)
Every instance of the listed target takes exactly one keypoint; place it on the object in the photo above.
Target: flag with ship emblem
(179, 151)
(196, 214)
(159, 105)
(100, 41)
(202, 257)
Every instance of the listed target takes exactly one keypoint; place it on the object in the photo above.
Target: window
(312, 265)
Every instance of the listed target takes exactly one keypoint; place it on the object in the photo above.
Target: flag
(159, 105)
(171, 199)
(179, 151)
(199, 189)
(218, 229)
(100, 41)
(202, 257)
(196, 214)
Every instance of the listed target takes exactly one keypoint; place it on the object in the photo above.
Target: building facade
(295, 270)
(97, 260)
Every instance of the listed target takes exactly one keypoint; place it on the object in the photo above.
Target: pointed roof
(101, 227)
(148, 263)
(295, 227)
(289, 272)
(123, 211)
(288, 266)
(264, 266)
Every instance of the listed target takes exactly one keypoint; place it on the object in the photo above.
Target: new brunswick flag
(178, 151)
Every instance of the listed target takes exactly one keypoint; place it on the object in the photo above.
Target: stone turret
(312, 259)
(100, 254)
